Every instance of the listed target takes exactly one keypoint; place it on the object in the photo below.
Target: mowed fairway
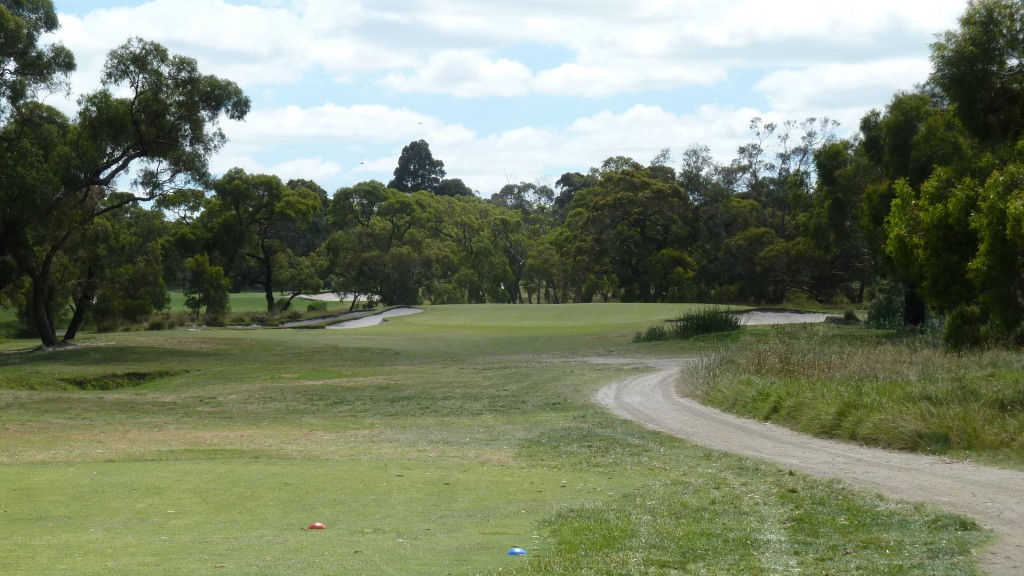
(430, 444)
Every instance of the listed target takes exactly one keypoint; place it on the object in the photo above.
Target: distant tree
(453, 187)
(417, 169)
(526, 197)
(620, 226)
(568, 185)
(296, 275)
(116, 271)
(205, 287)
(304, 236)
(253, 212)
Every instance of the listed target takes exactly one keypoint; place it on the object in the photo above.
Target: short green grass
(428, 445)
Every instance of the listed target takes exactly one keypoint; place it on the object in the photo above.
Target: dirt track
(993, 497)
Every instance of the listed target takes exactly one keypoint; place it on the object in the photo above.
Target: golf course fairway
(428, 444)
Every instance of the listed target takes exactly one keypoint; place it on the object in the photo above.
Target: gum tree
(155, 114)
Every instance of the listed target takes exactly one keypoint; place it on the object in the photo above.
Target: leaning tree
(155, 114)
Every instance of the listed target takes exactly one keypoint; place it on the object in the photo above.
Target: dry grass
(904, 394)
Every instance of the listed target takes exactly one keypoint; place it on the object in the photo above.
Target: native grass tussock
(691, 324)
(903, 394)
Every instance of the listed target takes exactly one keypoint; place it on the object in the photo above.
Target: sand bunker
(772, 317)
(376, 318)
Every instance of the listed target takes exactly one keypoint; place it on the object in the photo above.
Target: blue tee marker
(516, 551)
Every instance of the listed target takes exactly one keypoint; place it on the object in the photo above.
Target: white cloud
(622, 77)
(316, 169)
(462, 74)
(336, 84)
(834, 86)
(485, 162)
(613, 47)
(532, 154)
(330, 124)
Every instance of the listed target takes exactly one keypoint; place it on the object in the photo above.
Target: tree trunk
(79, 316)
(914, 308)
(85, 300)
(268, 288)
(42, 317)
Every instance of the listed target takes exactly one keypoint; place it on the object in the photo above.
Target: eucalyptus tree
(155, 114)
(980, 67)
(253, 213)
(28, 70)
(417, 169)
(622, 224)
(116, 272)
(378, 246)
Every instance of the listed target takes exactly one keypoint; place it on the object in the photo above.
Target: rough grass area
(693, 323)
(116, 381)
(428, 445)
(901, 393)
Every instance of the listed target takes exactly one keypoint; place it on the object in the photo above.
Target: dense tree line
(923, 204)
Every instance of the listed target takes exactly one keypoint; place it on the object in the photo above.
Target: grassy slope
(877, 389)
(428, 445)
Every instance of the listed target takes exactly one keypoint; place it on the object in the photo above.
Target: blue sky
(518, 91)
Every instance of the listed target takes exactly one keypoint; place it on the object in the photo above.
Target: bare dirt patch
(994, 497)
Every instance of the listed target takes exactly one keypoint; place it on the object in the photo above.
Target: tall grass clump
(898, 393)
(691, 324)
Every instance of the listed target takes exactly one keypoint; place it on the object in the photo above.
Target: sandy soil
(772, 317)
(328, 297)
(993, 497)
(376, 318)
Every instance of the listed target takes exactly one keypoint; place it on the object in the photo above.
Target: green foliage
(622, 224)
(205, 286)
(316, 307)
(694, 323)
(251, 216)
(30, 70)
(885, 311)
(418, 170)
(964, 330)
(996, 268)
(155, 114)
(978, 66)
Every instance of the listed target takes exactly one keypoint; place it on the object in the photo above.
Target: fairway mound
(375, 319)
(771, 317)
(992, 496)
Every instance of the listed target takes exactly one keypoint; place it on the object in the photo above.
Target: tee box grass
(430, 444)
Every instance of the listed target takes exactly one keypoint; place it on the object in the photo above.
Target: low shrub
(885, 312)
(317, 306)
(964, 330)
(696, 323)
